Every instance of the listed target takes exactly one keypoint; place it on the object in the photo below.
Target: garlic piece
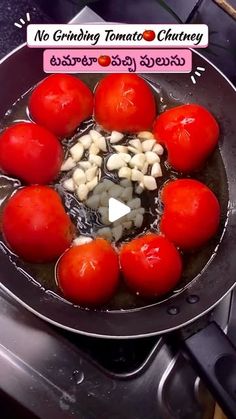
(138, 221)
(144, 168)
(82, 192)
(152, 157)
(68, 184)
(136, 175)
(156, 170)
(121, 148)
(116, 137)
(147, 135)
(99, 188)
(124, 172)
(126, 157)
(68, 164)
(81, 240)
(127, 225)
(94, 134)
(149, 183)
(137, 161)
(133, 150)
(127, 194)
(100, 142)
(115, 162)
(148, 145)
(85, 165)
(91, 173)
(93, 149)
(97, 160)
(125, 183)
(104, 199)
(86, 141)
(91, 185)
(134, 203)
(105, 232)
(79, 177)
(139, 189)
(108, 184)
(103, 211)
(117, 232)
(158, 149)
(136, 143)
(115, 192)
(77, 151)
(93, 201)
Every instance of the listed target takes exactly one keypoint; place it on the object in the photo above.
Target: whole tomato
(191, 213)
(88, 274)
(60, 103)
(149, 35)
(151, 265)
(190, 134)
(35, 224)
(30, 152)
(124, 102)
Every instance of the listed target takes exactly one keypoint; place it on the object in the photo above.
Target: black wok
(210, 348)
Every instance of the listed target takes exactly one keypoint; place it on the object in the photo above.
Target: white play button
(117, 210)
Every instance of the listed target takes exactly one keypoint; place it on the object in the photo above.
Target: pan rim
(108, 336)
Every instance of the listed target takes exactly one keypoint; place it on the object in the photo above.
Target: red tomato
(149, 35)
(35, 224)
(88, 274)
(190, 134)
(30, 152)
(104, 60)
(191, 213)
(124, 102)
(60, 103)
(151, 265)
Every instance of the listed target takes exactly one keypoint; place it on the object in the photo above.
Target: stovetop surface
(46, 371)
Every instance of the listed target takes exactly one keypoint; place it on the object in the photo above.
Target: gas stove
(48, 372)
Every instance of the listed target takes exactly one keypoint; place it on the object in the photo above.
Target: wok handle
(214, 356)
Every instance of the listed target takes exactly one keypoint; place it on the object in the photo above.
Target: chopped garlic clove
(91, 173)
(139, 189)
(152, 157)
(105, 232)
(121, 148)
(125, 183)
(82, 192)
(116, 137)
(136, 143)
(117, 232)
(127, 225)
(144, 169)
(93, 201)
(81, 240)
(136, 175)
(85, 165)
(91, 185)
(127, 194)
(156, 170)
(104, 215)
(101, 143)
(147, 135)
(115, 192)
(138, 221)
(68, 164)
(115, 162)
(158, 149)
(93, 149)
(104, 199)
(134, 203)
(148, 145)
(124, 172)
(86, 141)
(79, 177)
(149, 183)
(94, 134)
(97, 160)
(133, 150)
(68, 184)
(108, 184)
(77, 152)
(137, 161)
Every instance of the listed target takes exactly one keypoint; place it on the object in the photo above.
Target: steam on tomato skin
(60, 103)
(151, 265)
(35, 224)
(30, 152)
(190, 133)
(124, 102)
(88, 274)
(191, 213)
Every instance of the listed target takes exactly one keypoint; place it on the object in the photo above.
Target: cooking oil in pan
(87, 221)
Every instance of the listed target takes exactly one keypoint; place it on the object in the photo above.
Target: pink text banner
(117, 61)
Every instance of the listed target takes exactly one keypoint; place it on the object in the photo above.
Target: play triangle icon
(117, 210)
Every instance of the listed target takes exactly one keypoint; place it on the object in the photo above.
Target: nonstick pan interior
(208, 274)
